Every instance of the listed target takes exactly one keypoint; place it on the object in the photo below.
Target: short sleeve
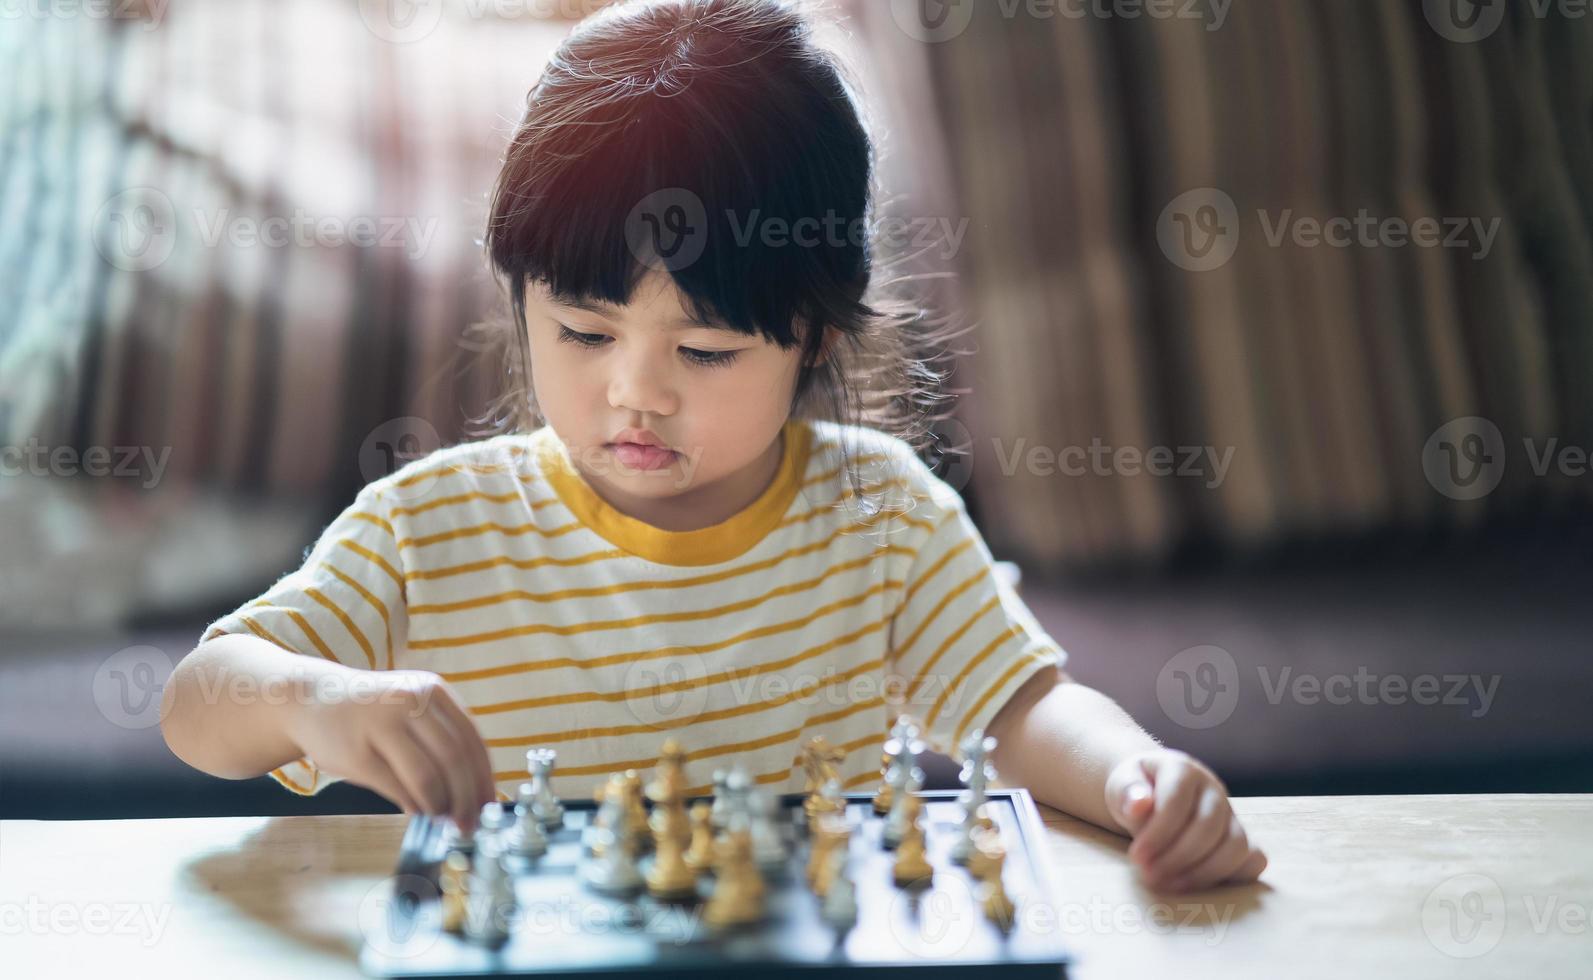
(962, 642)
(346, 603)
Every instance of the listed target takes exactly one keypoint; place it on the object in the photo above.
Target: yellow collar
(705, 546)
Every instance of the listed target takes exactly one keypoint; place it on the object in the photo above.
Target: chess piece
(489, 893)
(739, 894)
(594, 834)
(454, 879)
(976, 775)
(819, 759)
(912, 868)
(612, 869)
(670, 877)
(839, 906)
(636, 812)
(882, 798)
(546, 806)
(908, 780)
(985, 865)
(668, 793)
(768, 848)
(700, 855)
(528, 838)
(721, 804)
(830, 834)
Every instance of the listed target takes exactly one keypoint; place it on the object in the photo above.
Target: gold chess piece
(635, 811)
(668, 793)
(882, 799)
(453, 880)
(700, 855)
(670, 877)
(738, 897)
(912, 868)
(986, 864)
(819, 760)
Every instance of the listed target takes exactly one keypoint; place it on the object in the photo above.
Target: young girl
(692, 532)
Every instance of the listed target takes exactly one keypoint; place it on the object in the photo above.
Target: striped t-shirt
(563, 622)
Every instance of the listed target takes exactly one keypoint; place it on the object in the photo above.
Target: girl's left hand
(1186, 836)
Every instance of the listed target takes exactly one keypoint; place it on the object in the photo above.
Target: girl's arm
(1076, 750)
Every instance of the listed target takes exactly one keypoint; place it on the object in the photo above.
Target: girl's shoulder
(885, 466)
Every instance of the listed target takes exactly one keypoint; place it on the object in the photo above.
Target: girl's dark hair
(685, 136)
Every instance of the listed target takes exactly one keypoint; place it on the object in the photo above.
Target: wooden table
(1392, 886)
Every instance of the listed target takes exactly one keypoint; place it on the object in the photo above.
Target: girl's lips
(640, 457)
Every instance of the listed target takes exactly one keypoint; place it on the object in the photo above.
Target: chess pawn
(974, 822)
(668, 791)
(721, 804)
(527, 839)
(882, 799)
(839, 906)
(489, 898)
(700, 855)
(768, 849)
(454, 880)
(545, 805)
(612, 868)
(897, 821)
(912, 868)
(594, 836)
(670, 877)
(986, 865)
(738, 896)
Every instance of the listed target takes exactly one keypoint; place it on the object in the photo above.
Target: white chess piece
(528, 838)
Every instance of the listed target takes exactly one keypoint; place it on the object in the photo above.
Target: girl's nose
(638, 386)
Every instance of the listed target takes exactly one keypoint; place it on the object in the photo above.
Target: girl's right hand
(402, 733)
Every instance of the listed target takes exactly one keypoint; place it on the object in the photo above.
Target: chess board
(562, 928)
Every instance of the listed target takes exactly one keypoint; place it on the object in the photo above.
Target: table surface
(1407, 886)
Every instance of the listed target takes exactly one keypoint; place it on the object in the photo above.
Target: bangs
(702, 139)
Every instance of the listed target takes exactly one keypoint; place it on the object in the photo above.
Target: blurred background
(1279, 395)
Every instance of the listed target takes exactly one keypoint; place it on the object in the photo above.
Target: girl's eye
(703, 358)
(709, 358)
(584, 339)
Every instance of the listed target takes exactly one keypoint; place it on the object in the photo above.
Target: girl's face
(716, 400)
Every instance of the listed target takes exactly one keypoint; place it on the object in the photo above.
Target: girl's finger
(1223, 862)
(378, 775)
(1202, 835)
(436, 735)
(1176, 792)
(1250, 870)
(412, 763)
(475, 749)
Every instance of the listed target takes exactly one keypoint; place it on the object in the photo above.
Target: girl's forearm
(1061, 739)
(227, 708)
